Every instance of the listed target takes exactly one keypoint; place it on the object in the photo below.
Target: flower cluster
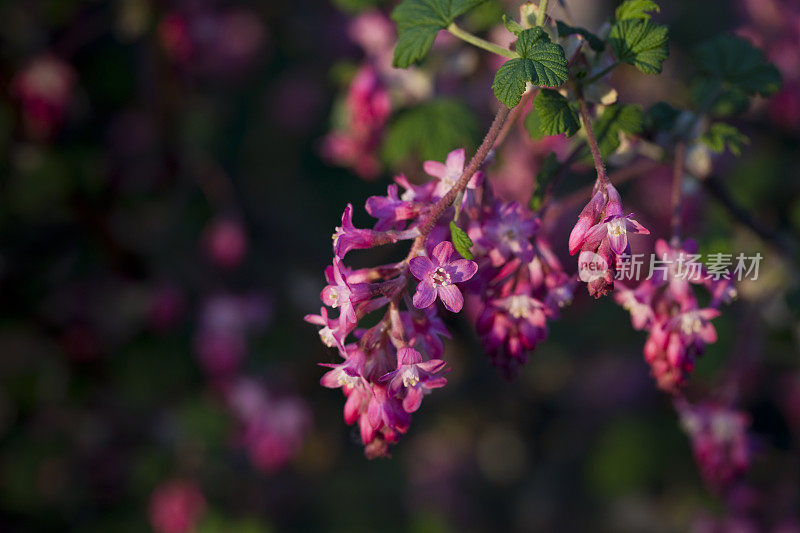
(601, 235)
(666, 306)
(388, 368)
(720, 442)
(522, 282)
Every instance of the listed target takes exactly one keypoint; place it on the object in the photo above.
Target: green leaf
(640, 43)
(595, 42)
(534, 125)
(726, 100)
(541, 62)
(546, 173)
(615, 119)
(660, 117)
(636, 9)
(735, 61)
(512, 25)
(418, 22)
(461, 241)
(720, 135)
(430, 131)
(556, 116)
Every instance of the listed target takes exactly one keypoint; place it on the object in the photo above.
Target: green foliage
(736, 62)
(357, 6)
(556, 116)
(641, 43)
(636, 9)
(595, 42)
(615, 119)
(512, 25)
(720, 135)
(661, 117)
(541, 62)
(543, 178)
(461, 241)
(418, 22)
(430, 131)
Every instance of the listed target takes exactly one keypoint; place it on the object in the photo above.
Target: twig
(473, 166)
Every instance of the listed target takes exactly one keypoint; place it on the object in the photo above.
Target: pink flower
(414, 376)
(347, 237)
(176, 506)
(343, 294)
(439, 276)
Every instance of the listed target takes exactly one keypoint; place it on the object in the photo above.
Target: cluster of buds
(720, 443)
(601, 235)
(665, 305)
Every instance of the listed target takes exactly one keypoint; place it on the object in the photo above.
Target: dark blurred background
(167, 197)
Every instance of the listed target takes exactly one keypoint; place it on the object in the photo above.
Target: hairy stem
(473, 166)
(480, 43)
(677, 182)
(602, 177)
(514, 115)
(541, 13)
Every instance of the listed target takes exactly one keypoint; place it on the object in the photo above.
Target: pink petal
(618, 241)
(425, 295)
(456, 160)
(451, 297)
(461, 270)
(578, 234)
(435, 169)
(432, 366)
(420, 266)
(637, 228)
(412, 400)
(408, 356)
(442, 252)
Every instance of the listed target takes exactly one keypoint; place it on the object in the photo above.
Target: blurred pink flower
(44, 89)
(176, 506)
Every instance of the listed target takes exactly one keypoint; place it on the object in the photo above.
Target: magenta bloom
(348, 237)
(415, 376)
(439, 276)
(344, 294)
(447, 172)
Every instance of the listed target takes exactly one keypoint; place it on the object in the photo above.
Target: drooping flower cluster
(522, 283)
(720, 443)
(388, 368)
(601, 235)
(665, 305)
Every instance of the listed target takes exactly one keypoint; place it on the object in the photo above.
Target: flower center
(327, 337)
(410, 377)
(333, 295)
(519, 306)
(691, 324)
(346, 380)
(440, 277)
(339, 231)
(617, 227)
